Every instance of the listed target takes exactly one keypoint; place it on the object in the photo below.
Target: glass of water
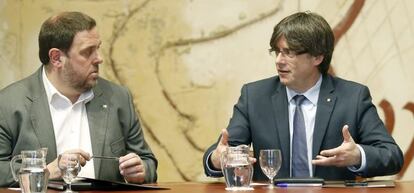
(270, 162)
(237, 169)
(69, 165)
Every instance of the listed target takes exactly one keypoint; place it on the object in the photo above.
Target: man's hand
(132, 168)
(347, 154)
(53, 166)
(221, 147)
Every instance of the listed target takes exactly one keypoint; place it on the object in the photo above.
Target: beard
(75, 80)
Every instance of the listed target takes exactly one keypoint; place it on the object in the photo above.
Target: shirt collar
(311, 94)
(53, 94)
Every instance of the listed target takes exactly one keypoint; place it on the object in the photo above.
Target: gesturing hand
(347, 154)
(221, 147)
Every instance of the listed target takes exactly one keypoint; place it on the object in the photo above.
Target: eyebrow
(92, 46)
(278, 49)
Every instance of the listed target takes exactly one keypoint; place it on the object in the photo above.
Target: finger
(324, 161)
(252, 160)
(129, 160)
(82, 153)
(331, 152)
(82, 161)
(345, 132)
(133, 170)
(320, 157)
(85, 155)
(136, 178)
(133, 167)
(125, 157)
(224, 137)
(136, 175)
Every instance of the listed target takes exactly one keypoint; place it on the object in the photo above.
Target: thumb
(345, 133)
(224, 137)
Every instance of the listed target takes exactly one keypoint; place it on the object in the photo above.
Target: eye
(87, 52)
(278, 51)
(289, 53)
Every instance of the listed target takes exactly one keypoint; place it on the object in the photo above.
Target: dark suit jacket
(26, 124)
(261, 117)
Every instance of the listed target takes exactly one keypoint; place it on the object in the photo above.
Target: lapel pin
(105, 106)
(328, 100)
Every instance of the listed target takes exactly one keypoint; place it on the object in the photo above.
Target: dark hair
(58, 32)
(306, 32)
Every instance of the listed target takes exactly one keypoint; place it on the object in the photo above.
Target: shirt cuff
(363, 162)
(212, 172)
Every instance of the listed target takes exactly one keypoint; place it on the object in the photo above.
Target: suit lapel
(326, 103)
(40, 116)
(97, 110)
(281, 115)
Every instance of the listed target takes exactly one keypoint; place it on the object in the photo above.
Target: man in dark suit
(66, 107)
(334, 133)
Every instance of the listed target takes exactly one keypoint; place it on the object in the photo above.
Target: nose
(279, 58)
(98, 58)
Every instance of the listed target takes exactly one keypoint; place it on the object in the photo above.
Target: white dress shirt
(70, 123)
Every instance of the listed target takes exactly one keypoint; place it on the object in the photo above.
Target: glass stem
(70, 186)
(271, 183)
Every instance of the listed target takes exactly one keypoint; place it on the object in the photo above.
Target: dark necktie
(300, 167)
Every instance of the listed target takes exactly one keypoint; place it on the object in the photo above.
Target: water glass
(237, 169)
(270, 162)
(69, 165)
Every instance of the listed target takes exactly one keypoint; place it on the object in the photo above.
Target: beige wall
(185, 61)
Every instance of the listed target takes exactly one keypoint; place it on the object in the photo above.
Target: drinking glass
(69, 165)
(237, 168)
(270, 162)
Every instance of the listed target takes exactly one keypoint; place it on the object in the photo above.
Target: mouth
(283, 72)
(94, 74)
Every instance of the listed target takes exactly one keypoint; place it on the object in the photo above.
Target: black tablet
(304, 181)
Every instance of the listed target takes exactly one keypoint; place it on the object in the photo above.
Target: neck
(307, 84)
(71, 93)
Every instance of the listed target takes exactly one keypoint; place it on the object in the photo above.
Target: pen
(104, 157)
(299, 185)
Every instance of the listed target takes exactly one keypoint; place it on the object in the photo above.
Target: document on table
(94, 184)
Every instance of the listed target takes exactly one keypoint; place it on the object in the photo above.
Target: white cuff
(363, 162)
(213, 172)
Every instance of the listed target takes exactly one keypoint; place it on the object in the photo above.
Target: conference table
(195, 187)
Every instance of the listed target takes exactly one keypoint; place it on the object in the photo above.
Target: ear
(318, 60)
(55, 57)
